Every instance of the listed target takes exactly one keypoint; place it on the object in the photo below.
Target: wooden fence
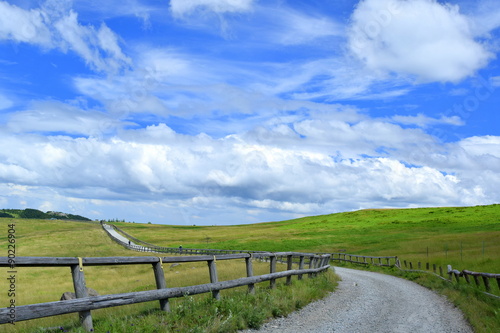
(450, 272)
(148, 247)
(83, 304)
(364, 260)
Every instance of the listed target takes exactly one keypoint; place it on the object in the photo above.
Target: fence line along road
(358, 259)
(123, 238)
(84, 304)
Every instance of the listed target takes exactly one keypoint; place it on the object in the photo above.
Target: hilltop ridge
(30, 213)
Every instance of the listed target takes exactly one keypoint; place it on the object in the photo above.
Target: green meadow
(236, 310)
(465, 237)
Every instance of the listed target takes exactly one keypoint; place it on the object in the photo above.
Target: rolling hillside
(466, 237)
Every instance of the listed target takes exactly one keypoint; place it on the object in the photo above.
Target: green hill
(465, 237)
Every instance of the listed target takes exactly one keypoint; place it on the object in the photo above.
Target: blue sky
(243, 111)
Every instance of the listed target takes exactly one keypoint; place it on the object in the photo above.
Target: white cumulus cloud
(421, 38)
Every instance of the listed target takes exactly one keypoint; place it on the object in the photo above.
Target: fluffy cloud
(421, 38)
(56, 26)
(21, 25)
(304, 168)
(484, 145)
(272, 149)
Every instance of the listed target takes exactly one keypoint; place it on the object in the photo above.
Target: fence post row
(458, 274)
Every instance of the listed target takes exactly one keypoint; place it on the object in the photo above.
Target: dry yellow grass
(71, 239)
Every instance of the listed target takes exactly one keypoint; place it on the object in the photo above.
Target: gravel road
(372, 302)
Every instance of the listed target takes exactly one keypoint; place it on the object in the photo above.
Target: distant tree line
(30, 213)
(115, 220)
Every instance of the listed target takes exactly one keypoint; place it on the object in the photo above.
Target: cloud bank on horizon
(242, 111)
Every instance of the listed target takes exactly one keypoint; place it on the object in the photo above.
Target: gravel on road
(373, 302)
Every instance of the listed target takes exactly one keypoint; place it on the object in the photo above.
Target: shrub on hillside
(30, 213)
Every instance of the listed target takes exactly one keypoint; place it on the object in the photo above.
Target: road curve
(372, 302)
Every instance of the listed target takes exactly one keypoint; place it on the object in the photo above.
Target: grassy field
(465, 237)
(72, 239)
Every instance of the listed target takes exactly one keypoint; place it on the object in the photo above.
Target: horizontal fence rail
(365, 260)
(84, 304)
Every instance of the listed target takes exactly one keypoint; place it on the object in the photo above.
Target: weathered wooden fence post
(476, 280)
(325, 260)
(486, 283)
(312, 260)
(212, 268)
(289, 263)
(161, 283)
(466, 276)
(249, 265)
(301, 266)
(81, 291)
(272, 269)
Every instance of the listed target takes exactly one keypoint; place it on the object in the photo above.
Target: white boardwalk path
(372, 302)
(123, 239)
